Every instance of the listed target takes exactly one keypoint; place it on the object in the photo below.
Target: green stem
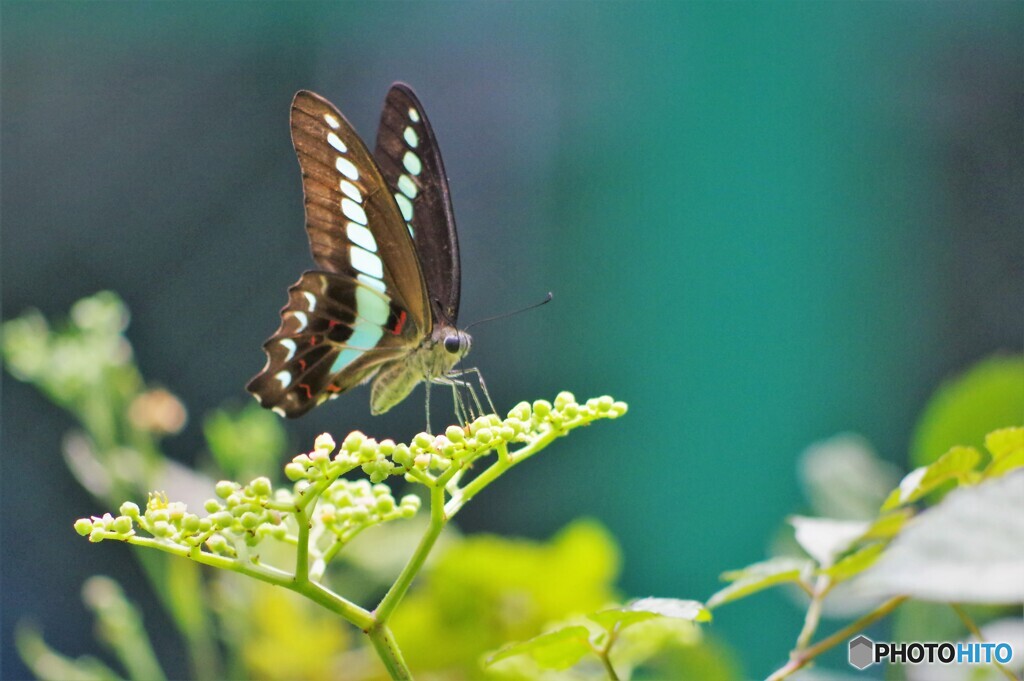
(358, 616)
(302, 545)
(799, 659)
(387, 649)
(813, 617)
(438, 519)
(976, 632)
(604, 654)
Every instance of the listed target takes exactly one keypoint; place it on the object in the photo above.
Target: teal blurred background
(763, 224)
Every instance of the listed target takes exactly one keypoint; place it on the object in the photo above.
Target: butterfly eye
(452, 344)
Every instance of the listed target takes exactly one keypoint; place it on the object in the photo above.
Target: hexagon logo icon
(862, 652)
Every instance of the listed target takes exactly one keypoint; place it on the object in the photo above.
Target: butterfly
(384, 303)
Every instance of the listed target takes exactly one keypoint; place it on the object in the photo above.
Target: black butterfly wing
(370, 305)
(335, 333)
(410, 161)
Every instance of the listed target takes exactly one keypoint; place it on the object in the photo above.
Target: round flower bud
(541, 408)
(222, 519)
(386, 447)
(261, 487)
(564, 398)
(455, 434)
(122, 524)
(401, 455)
(353, 441)
(217, 543)
(484, 436)
(83, 526)
(294, 471)
(224, 488)
(423, 440)
(520, 412)
(249, 520)
(324, 441)
(161, 528)
(368, 451)
(190, 523)
(130, 509)
(619, 408)
(384, 504)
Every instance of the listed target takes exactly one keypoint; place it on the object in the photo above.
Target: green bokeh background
(763, 223)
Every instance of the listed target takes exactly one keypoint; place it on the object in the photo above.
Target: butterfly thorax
(431, 361)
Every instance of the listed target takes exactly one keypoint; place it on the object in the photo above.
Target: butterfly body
(384, 304)
(435, 357)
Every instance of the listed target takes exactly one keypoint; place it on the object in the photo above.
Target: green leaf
(888, 525)
(957, 463)
(558, 649)
(967, 548)
(1007, 448)
(649, 608)
(759, 576)
(987, 396)
(244, 442)
(825, 539)
(855, 563)
(49, 665)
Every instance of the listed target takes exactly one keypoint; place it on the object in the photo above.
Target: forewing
(335, 333)
(410, 161)
(355, 227)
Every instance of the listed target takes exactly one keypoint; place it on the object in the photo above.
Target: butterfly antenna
(547, 299)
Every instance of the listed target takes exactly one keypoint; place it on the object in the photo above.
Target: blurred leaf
(987, 396)
(825, 539)
(289, 638)
(968, 548)
(485, 591)
(708, 661)
(558, 649)
(843, 478)
(855, 563)
(1007, 448)
(246, 442)
(48, 665)
(759, 576)
(119, 626)
(647, 608)
(955, 464)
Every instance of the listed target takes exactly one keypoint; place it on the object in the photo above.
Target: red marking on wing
(331, 323)
(334, 388)
(309, 392)
(312, 341)
(399, 324)
(302, 364)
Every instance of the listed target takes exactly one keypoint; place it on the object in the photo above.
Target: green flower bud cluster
(350, 506)
(163, 519)
(321, 500)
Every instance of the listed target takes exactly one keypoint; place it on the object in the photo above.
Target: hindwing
(335, 333)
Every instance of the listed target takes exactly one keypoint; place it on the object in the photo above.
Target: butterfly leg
(427, 387)
(464, 410)
(460, 373)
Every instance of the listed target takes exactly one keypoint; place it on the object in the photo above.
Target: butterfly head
(456, 343)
